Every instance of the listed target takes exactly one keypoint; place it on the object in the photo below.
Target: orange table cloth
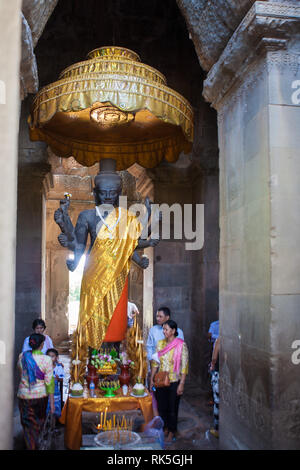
(71, 412)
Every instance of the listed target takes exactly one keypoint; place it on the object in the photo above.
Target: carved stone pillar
(255, 87)
(32, 169)
(29, 249)
(10, 31)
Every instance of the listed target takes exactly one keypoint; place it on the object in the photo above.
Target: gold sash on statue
(105, 274)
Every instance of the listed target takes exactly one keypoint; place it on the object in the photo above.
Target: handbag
(162, 379)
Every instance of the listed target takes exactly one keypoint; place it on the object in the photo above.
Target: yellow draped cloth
(105, 274)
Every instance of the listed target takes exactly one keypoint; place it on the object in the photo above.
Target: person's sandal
(215, 433)
(170, 440)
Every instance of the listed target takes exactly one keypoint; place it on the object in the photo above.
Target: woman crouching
(36, 384)
(172, 356)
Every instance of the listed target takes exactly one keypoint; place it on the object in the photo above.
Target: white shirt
(131, 310)
(47, 344)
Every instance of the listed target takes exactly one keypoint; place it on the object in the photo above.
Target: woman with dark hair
(37, 383)
(38, 327)
(171, 356)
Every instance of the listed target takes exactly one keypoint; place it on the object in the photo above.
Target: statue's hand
(71, 265)
(144, 262)
(63, 240)
(58, 216)
(153, 241)
(64, 204)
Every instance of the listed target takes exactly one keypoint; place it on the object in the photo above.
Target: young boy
(58, 372)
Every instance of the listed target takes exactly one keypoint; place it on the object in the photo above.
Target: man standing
(156, 332)
(213, 331)
(214, 369)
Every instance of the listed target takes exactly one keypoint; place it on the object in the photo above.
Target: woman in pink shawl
(171, 356)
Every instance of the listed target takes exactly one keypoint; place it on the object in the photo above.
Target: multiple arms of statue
(62, 218)
(73, 239)
(147, 241)
(143, 261)
(76, 239)
(80, 235)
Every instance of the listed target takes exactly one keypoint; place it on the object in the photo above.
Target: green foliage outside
(74, 293)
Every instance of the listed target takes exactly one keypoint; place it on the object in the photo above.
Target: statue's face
(107, 192)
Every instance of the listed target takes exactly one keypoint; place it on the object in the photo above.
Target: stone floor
(194, 420)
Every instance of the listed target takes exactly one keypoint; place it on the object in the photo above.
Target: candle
(105, 416)
(114, 421)
(136, 331)
(101, 420)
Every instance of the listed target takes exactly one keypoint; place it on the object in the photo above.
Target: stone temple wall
(255, 88)
(32, 169)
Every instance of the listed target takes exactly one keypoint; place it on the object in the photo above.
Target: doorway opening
(75, 278)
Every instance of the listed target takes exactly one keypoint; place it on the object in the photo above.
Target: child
(58, 372)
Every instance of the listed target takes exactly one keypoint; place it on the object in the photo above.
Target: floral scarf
(177, 343)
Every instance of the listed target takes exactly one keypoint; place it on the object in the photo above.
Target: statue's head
(108, 187)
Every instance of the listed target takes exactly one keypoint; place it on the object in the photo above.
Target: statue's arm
(62, 218)
(143, 262)
(147, 241)
(80, 239)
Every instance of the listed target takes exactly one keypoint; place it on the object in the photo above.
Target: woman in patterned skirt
(37, 383)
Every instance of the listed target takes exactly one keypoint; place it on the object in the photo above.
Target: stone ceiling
(35, 14)
(210, 24)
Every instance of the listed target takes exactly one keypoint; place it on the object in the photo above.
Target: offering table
(71, 413)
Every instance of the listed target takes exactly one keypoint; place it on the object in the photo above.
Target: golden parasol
(112, 106)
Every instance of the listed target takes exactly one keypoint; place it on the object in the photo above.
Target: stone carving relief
(253, 74)
(240, 396)
(277, 23)
(288, 409)
(35, 14)
(28, 68)
(225, 386)
(211, 25)
(258, 406)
